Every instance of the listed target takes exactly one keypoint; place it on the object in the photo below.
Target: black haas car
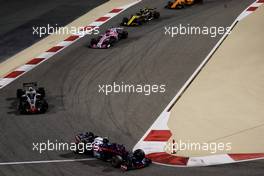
(31, 99)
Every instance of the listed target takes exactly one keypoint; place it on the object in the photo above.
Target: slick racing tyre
(116, 161)
(147, 161)
(77, 151)
(168, 6)
(124, 21)
(180, 6)
(19, 93)
(139, 154)
(43, 106)
(123, 35)
(156, 15)
(139, 21)
(41, 91)
(22, 107)
(198, 1)
(93, 42)
(111, 42)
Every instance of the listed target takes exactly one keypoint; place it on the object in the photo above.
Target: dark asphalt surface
(18, 17)
(72, 78)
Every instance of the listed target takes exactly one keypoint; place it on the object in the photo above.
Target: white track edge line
(45, 161)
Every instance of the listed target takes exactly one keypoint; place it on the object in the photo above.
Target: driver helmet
(89, 134)
(30, 89)
(108, 31)
(105, 141)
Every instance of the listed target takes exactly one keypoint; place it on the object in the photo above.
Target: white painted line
(64, 43)
(111, 15)
(243, 15)
(45, 161)
(46, 55)
(209, 160)
(25, 67)
(5, 81)
(97, 23)
(151, 146)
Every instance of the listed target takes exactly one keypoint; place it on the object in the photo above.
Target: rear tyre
(111, 42)
(124, 22)
(43, 106)
(77, 151)
(156, 15)
(148, 161)
(140, 21)
(22, 107)
(93, 42)
(116, 161)
(123, 35)
(19, 93)
(198, 1)
(41, 91)
(180, 6)
(168, 6)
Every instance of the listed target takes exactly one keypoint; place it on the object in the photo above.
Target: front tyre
(139, 154)
(116, 161)
(123, 35)
(156, 15)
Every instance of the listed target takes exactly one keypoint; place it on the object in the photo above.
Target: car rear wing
(30, 84)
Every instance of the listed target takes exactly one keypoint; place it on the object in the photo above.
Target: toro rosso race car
(113, 152)
(108, 39)
(179, 4)
(31, 99)
(144, 15)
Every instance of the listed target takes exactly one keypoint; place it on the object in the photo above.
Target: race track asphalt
(71, 79)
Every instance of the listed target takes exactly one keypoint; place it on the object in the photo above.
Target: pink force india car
(108, 39)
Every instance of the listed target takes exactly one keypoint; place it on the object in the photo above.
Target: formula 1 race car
(179, 4)
(144, 15)
(113, 152)
(85, 138)
(108, 39)
(31, 99)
